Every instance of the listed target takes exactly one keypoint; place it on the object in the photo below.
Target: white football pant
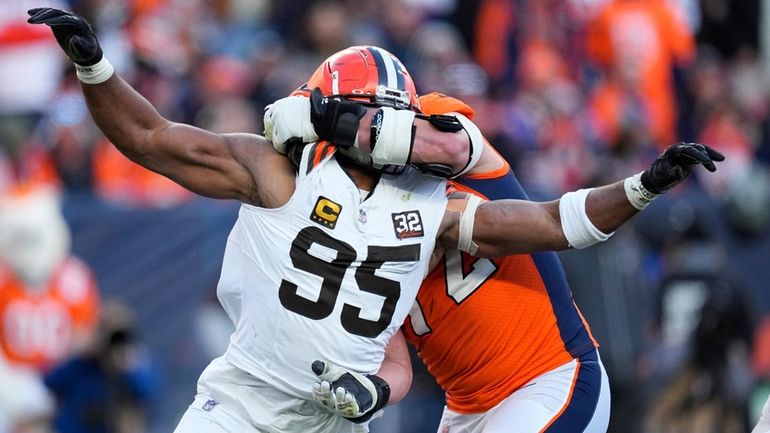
(230, 400)
(573, 398)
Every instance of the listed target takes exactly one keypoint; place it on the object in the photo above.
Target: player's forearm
(504, 227)
(430, 145)
(551, 226)
(399, 378)
(608, 207)
(125, 117)
(396, 368)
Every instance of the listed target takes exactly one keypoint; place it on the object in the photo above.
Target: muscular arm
(231, 166)
(396, 368)
(237, 166)
(504, 227)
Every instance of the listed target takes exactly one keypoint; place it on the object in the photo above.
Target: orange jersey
(483, 327)
(646, 37)
(38, 328)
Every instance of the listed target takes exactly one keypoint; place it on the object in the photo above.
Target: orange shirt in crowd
(41, 327)
(641, 41)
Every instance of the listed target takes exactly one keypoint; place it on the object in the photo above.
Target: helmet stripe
(400, 74)
(386, 71)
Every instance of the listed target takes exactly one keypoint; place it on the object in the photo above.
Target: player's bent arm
(396, 368)
(229, 166)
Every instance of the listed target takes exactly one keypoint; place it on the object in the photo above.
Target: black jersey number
(333, 272)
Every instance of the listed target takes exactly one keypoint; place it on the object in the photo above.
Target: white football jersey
(327, 276)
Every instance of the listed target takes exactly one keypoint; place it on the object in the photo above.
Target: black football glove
(74, 34)
(675, 164)
(335, 120)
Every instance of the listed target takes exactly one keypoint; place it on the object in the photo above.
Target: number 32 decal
(333, 273)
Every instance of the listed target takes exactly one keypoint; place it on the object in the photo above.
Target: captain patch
(326, 212)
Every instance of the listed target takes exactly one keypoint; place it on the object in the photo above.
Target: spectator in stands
(648, 38)
(698, 368)
(49, 301)
(107, 388)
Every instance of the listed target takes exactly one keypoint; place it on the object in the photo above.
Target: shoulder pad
(439, 103)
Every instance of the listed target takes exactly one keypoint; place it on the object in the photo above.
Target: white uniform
(327, 276)
(763, 426)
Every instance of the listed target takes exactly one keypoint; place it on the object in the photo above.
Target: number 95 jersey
(330, 275)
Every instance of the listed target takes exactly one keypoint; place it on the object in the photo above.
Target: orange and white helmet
(366, 73)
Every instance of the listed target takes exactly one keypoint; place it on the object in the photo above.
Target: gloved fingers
(699, 154)
(58, 20)
(713, 154)
(318, 367)
(346, 403)
(40, 15)
(322, 394)
(326, 371)
(340, 395)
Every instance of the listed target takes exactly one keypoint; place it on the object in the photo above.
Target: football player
(325, 258)
(525, 360)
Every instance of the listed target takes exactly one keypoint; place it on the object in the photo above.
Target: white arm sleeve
(578, 229)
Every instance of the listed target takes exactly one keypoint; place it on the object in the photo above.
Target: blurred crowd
(573, 93)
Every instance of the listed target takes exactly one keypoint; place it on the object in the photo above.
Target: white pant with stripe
(573, 398)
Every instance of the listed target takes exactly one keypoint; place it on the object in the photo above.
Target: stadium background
(574, 92)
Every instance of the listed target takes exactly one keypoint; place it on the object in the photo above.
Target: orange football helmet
(368, 74)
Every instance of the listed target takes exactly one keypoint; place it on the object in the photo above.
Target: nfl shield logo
(445, 428)
(209, 405)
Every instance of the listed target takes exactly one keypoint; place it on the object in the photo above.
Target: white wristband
(578, 229)
(636, 193)
(394, 142)
(95, 74)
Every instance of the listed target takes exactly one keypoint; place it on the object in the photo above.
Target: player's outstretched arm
(231, 166)
(579, 219)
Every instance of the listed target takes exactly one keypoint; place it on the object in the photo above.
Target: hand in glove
(349, 394)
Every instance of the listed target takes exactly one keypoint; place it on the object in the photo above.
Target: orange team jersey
(38, 328)
(486, 327)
